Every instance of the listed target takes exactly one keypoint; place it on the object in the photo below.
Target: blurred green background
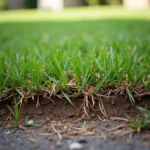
(28, 4)
(33, 3)
(104, 2)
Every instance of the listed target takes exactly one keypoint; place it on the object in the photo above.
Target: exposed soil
(61, 109)
(62, 124)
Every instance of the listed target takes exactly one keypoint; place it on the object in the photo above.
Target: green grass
(143, 122)
(106, 48)
(15, 112)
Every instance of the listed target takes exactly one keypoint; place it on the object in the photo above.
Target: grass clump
(109, 56)
(15, 112)
(143, 122)
(85, 125)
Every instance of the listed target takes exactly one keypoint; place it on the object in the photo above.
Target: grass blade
(130, 96)
(66, 96)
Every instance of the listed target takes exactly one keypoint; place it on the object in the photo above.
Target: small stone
(58, 144)
(75, 146)
(30, 122)
(82, 140)
(13, 131)
(7, 132)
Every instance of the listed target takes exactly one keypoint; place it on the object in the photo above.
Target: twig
(32, 140)
(58, 133)
(122, 119)
(127, 132)
(102, 108)
(118, 127)
(104, 120)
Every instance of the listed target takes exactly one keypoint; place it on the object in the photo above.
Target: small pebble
(58, 144)
(75, 146)
(30, 122)
(82, 140)
(13, 131)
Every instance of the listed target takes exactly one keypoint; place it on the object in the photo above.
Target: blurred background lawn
(9, 4)
(82, 13)
(38, 10)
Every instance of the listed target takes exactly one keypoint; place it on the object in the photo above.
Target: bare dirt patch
(61, 109)
(62, 124)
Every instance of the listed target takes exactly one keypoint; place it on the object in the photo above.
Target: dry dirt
(62, 124)
(61, 109)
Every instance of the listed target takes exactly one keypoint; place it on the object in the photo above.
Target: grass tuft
(110, 55)
(143, 122)
(15, 112)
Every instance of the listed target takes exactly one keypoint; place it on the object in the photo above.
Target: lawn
(82, 51)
